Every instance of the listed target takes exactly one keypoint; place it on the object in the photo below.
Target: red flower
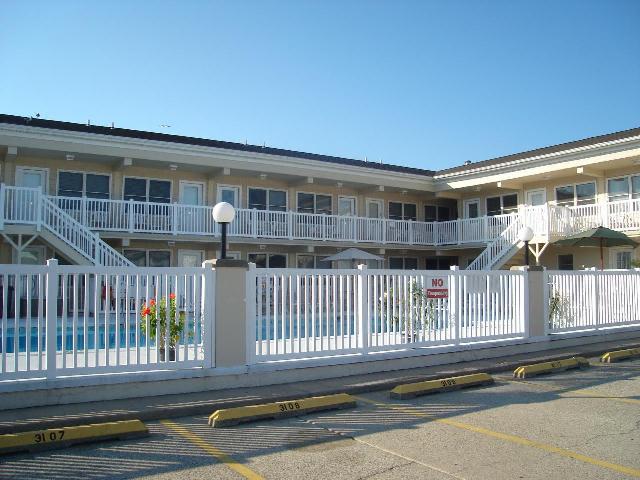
(146, 311)
(172, 296)
(152, 302)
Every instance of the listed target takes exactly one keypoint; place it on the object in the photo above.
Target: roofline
(204, 142)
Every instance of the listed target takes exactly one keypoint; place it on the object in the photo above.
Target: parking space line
(567, 393)
(212, 450)
(512, 438)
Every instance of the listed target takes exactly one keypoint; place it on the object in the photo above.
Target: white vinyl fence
(64, 320)
(591, 299)
(309, 313)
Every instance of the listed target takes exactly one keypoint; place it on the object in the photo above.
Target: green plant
(156, 314)
(413, 301)
(560, 315)
(635, 263)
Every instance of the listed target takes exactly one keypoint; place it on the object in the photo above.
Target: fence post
(596, 299)
(51, 316)
(2, 194)
(83, 211)
(534, 301)
(39, 210)
(453, 302)
(174, 218)
(251, 313)
(231, 300)
(208, 313)
(363, 308)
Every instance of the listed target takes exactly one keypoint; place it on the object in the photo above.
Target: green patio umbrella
(598, 237)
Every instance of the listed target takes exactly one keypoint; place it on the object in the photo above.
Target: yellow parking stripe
(513, 439)
(213, 451)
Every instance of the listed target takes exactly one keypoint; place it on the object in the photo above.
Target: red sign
(437, 293)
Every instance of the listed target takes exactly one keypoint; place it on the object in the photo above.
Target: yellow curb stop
(61, 437)
(526, 371)
(410, 390)
(289, 408)
(616, 356)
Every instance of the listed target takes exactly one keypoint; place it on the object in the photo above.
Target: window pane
(618, 189)
(258, 198)
(586, 193)
(395, 210)
(136, 189)
(431, 263)
(277, 200)
(396, 263)
(565, 262)
(260, 259)
(70, 184)
(137, 257)
(430, 212)
(509, 203)
(97, 186)
(159, 258)
(444, 214)
(323, 204)
(346, 206)
(635, 186)
(472, 210)
(277, 261)
(410, 263)
(159, 191)
(564, 195)
(305, 202)
(305, 261)
(229, 195)
(322, 263)
(410, 211)
(493, 206)
(623, 260)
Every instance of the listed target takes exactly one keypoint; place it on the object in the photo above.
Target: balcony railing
(178, 219)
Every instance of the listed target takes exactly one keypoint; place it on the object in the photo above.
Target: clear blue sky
(422, 83)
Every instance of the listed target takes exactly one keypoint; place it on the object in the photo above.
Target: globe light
(525, 235)
(224, 212)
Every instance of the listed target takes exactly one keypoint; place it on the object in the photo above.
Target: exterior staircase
(500, 249)
(27, 210)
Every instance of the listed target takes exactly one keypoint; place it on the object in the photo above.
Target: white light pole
(525, 235)
(223, 213)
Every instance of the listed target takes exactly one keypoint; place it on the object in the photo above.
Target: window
(229, 194)
(441, 263)
(148, 258)
(266, 199)
(435, 213)
(78, 184)
(403, 263)
(502, 204)
(314, 203)
(472, 208)
(579, 194)
(347, 206)
(623, 188)
(312, 261)
(565, 262)
(32, 255)
(402, 211)
(623, 260)
(147, 190)
(268, 260)
(374, 208)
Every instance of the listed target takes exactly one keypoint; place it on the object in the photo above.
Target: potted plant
(156, 314)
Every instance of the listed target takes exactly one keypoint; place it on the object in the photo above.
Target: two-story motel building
(91, 194)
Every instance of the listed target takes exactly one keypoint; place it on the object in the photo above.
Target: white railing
(591, 300)
(499, 247)
(61, 320)
(29, 206)
(311, 313)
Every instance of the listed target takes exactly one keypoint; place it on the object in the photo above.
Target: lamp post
(525, 235)
(223, 213)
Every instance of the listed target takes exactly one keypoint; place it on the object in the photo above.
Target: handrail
(499, 246)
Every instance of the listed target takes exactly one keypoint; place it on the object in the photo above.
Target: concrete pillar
(535, 302)
(231, 313)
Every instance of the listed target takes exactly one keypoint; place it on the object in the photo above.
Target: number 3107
(48, 436)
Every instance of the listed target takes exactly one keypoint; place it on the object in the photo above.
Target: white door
(229, 194)
(472, 208)
(374, 208)
(32, 178)
(191, 193)
(190, 258)
(347, 206)
(536, 197)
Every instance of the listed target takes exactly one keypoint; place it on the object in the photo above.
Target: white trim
(224, 185)
(380, 203)
(269, 189)
(535, 190)
(628, 177)
(314, 201)
(20, 169)
(355, 204)
(202, 186)
(470, 201)
(501, 196)
(575, 198)
(147, 187)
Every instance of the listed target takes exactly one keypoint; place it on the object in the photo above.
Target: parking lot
(576, 424)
